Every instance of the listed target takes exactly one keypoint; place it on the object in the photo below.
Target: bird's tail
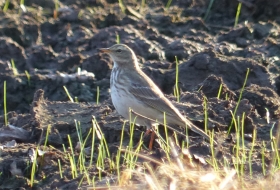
(195, 129)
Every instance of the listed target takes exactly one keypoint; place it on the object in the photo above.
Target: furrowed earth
(48, 45)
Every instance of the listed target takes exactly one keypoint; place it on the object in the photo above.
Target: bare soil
(52, 44)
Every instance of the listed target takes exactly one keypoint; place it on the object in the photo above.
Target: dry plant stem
(142, 156)
(175, 154)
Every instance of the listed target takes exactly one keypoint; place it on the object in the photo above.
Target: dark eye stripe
(119, 50)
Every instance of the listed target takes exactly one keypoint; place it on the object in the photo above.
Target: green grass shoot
(243, 157)
(15, 71)
(237, 14)
(6, 6)
(103, 150)
(130, 159)
(68, 94)
(263, 157)
(118, 157)
(72, 159)
(177, 90)
(82, 157)
(165, 129)
(47, 136)
(275, 163)
(81, 181)
(76, 99)
(121, 5)
(251, 153)
(220, 91)
(213, 161)
(208, 9)
(118, 41)
(168, 4)
(81, 13)
(239, 99)
(23, 8)
(59, 168)
(97, 95)
(267, 115)
(55, 11)
(143, 3)
(28, 77)
(5, 103)
(56, 5)
(92, 143)
(34, 168)
(205, 114)
(45, 144)
(132, 125)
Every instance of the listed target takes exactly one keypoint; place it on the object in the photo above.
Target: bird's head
(121, 55)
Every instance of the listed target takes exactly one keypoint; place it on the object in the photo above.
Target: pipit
(132, 89)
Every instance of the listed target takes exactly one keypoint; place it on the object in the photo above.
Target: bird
(132, 89)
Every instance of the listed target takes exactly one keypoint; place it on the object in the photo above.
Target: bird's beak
(105, 50)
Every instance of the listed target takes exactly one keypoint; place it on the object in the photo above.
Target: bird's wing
(152, 98)
(150, 95)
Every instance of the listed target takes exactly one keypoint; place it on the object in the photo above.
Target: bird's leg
(150, 133)
(153, 135)
(150, 130)
(152, 138)
(146, 135)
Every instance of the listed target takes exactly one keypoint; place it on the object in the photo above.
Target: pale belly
(123, 102)
(120, 101)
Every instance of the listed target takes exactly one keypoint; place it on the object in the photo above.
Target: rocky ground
(48, 41)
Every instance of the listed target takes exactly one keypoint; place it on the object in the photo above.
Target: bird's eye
(119, 50)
